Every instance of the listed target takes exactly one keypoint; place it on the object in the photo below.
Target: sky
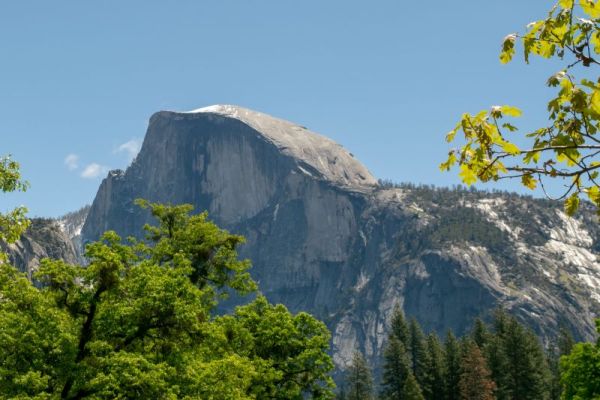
(387, 79)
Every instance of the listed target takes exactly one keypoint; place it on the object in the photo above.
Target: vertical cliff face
(325, 238)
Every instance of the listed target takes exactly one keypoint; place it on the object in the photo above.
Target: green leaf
(593, 193)
(510, 148)
(572, 204)
(595, 101)
(529, 181)
(511, 111)
(590, 7)
(508, 48)
(566, 4)
(467, 175)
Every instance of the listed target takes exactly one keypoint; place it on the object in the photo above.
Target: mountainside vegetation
(502, 360)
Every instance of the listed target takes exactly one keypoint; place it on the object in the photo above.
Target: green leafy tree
(396, 368)
(475, 379)
(568, 147)
(580, 371)
(359, 381)
(14, 222)
(137, 322)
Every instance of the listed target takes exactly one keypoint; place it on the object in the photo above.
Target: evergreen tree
(396, 369)
(400, 327)
(565, 341)
(452, 370)
(418, 352)
(517, 361)
(475, 378)
(412, 391)
(527, 363)
(564, 346)
(480, 334)
(553, 361)
(435, 370)
(498, 362)
(359, 381)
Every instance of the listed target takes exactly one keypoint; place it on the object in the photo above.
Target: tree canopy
(568, 147)
(138, 322)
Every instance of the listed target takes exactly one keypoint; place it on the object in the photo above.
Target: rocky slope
(43, 239)
(325, 237)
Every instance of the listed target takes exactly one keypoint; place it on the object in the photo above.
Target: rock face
(325, 237)
(43, 239)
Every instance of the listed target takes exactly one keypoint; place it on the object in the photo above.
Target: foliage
(580, 371)
(396, 369)
(475, 379)
(359, 379)
(568, 147)
(434, 369)
(14, 222)
(137, 322)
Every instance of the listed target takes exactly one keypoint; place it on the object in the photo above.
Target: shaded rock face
(324, 237)
(43, 239)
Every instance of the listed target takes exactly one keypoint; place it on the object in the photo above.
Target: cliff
(325, 237)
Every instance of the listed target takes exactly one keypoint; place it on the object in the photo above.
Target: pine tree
(527, 363)
(480, 334)
(475, 378)
(396, 369)
(564, 345)
(412, 391)
(418, 352)
(517, 361)
(435, 370)
(565, 341)
(498, 362)
(359, 379)
(400, 327)
(452, 367)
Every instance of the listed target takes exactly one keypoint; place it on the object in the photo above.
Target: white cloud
(131, 148)
(72, 161)
(93, 170)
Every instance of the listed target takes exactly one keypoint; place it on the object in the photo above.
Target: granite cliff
(324, 236)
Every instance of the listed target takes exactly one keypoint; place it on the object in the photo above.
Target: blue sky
(387, 79)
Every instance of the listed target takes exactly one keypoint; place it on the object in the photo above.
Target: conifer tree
(475, 378)
(452, 367)
(517, 361)
(396, 369)
(527, 363)
(400, 327)
(563, 346)
(412, 391)
(496, 357)
(359, 379)
(480, 333)
(418, 352)
(435, 370)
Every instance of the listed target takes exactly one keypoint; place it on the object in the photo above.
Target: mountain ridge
(349, 250)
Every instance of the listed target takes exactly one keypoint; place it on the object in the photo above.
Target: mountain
(326, 237)
(43, 239)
